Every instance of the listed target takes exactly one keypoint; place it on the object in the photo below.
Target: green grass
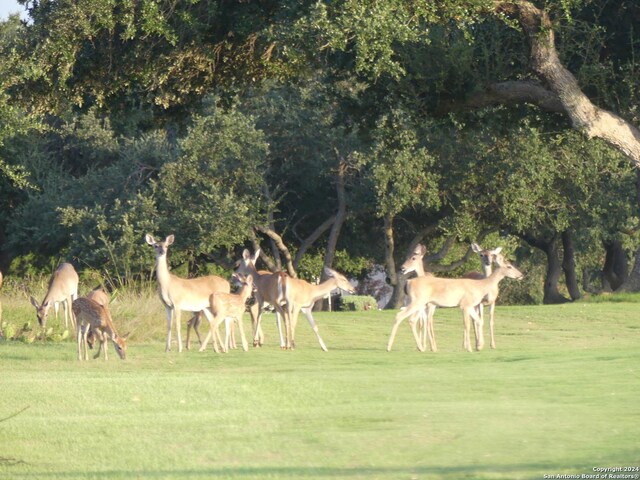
(560, 395)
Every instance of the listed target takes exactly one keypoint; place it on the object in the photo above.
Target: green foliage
(358, 303)
(212, 194)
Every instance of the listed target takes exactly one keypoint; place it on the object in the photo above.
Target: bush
(358, 303)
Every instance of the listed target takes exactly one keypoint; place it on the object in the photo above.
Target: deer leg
(80, 341)
(314, 327)
(280, 315)
(97, 337)
(232, 329)
(245, 344)
(400, 316)
(177, 313)
(431, 310)
(492, 307)
(466, 342)
(257, 328)
(210, 334)
(478, 328)
(194, 322)
(258, 336)
(169, 312)
(413, 321)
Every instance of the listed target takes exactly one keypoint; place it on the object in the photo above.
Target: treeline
(338, 135)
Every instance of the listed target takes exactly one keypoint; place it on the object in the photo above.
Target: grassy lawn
(560, 395)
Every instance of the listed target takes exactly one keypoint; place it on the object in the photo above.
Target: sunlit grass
(559, 395)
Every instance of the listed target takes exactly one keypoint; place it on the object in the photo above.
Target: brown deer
(92, 316)
(301, 295)
(229, 308)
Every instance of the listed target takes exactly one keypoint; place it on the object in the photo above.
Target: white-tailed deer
(177, 294)
(267, 291)
(63, 288)
(487, 258)
(414, 264)
(229, 308)
(465, 293)
(93, 317)
(301, 295)
(99, 296)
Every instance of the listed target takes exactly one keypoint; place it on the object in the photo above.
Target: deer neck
(321, 290)
(487, 270)
(162, 271)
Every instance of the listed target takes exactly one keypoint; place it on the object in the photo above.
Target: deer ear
(149, 238)
(170, 239)
(256, 255)
(496, 251)
(34, 302)
(476, 248)
(126, 336)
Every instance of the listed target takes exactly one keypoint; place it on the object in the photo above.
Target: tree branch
(277, 239)
(509, 93)
(585, 116)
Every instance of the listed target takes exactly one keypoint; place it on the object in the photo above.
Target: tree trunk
(585, 116)
(554, 268)
(396, 281)
(569, 266)
(632, 283)
(615, 270)
(336, 226)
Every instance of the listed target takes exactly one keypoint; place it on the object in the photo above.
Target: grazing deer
(230, 307)
(465, 293)
(301, 295)
(99, 296)
(177, 294)
(267, 291)
(92, 316)
(63, 288)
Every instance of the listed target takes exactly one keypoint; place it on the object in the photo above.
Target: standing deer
(267, 291)
(465, 293)
(487, 258)
(230, 307)
(177, 294)
(63, 288)
(301, 295)
(96, 318)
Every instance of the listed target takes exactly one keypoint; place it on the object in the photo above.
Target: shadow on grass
(461, 471)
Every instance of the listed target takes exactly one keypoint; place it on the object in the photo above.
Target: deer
(92, 316)
(487, 259)
(465, 293)
(99, 296)
(266, 291)
(230, 307)
(301, 295)
(63, 288)
(414, 264)
(177, 294)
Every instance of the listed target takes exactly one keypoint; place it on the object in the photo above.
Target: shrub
(358, 303)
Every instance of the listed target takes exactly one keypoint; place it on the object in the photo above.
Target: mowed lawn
(560, 395)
